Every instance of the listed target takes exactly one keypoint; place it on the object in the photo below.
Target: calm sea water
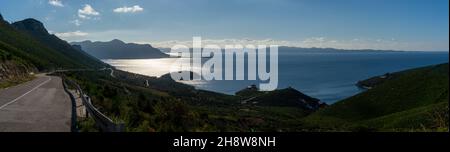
(328, 76)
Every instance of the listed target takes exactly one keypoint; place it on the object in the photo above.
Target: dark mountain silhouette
(2, 20)
(32, 26)
(117, 49)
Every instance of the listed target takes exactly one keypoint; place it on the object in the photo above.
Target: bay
(328, 76)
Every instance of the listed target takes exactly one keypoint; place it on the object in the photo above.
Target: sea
(327, 75)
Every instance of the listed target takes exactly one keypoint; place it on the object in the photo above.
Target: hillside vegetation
(30, 41)
(166, 105)
(412, 100)
(26, 47)
(14, 70)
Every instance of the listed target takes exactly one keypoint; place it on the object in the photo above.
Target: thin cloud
(87, 12)
(133, 9)
(66, 35)
(56, 3)
(76, 22)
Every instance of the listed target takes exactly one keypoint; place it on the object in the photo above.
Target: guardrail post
(86, 113)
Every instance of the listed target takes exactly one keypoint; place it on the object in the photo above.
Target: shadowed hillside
(30, 41)
(410, 100)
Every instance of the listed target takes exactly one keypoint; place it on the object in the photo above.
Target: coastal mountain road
(40, 105)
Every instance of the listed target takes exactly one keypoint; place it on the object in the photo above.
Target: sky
(416, 25)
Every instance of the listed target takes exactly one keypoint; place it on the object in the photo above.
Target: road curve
(40, 105)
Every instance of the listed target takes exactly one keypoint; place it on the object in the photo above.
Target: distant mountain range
(117, 49)
(313, 50)
(324, 50)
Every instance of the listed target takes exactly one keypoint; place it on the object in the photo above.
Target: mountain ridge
(314, 50)
(37, 30)
(30, 41)
(117, 49)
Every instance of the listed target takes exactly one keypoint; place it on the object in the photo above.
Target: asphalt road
(40, 105)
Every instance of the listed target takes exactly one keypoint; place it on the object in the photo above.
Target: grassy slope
(407, 101)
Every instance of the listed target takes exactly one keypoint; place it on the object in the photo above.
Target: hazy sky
(354, 24)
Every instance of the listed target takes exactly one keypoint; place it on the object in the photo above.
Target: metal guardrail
(73, 127)
(104, 123)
